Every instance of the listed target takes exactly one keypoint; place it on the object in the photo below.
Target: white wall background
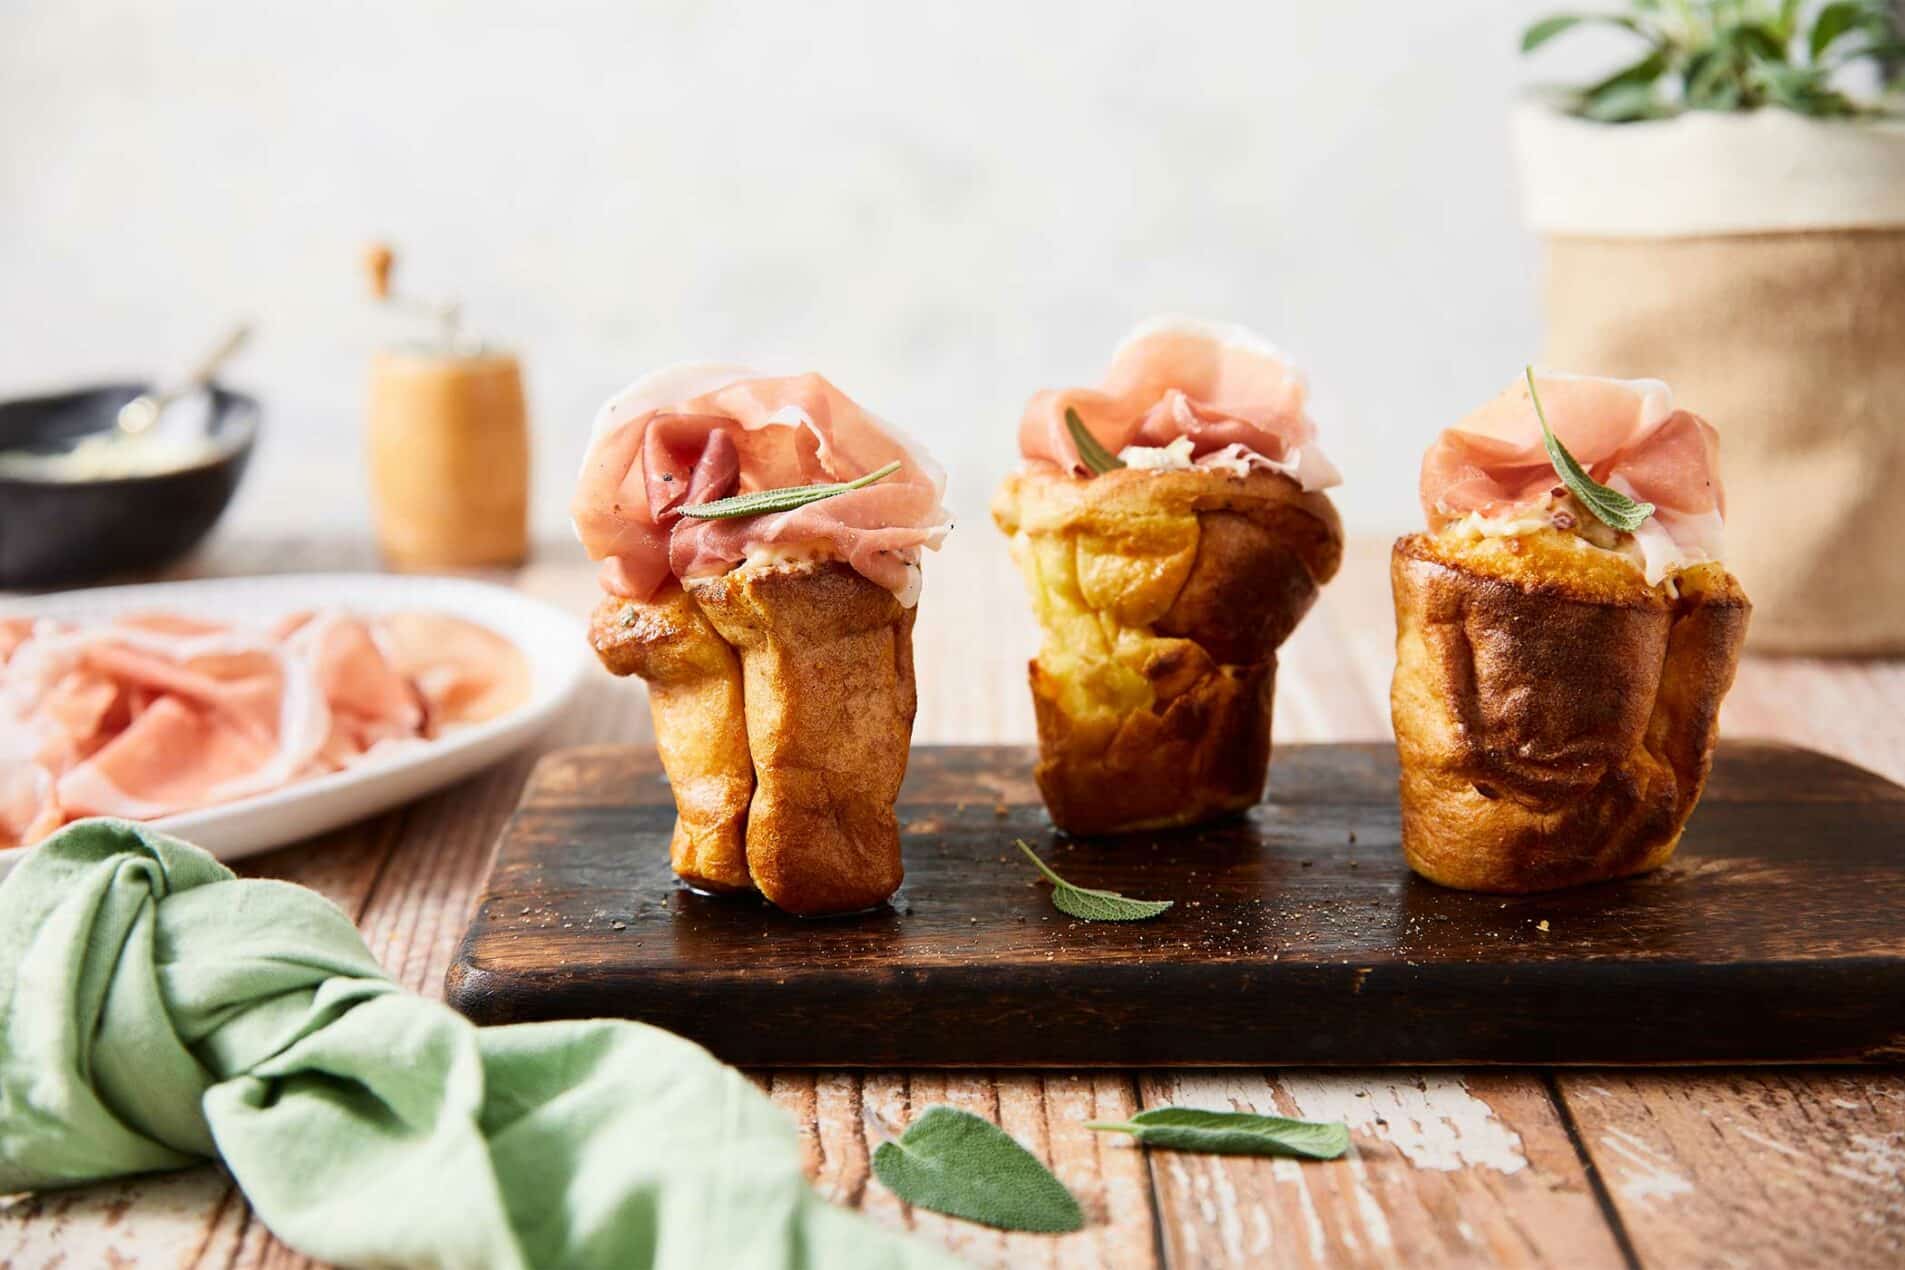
(944, 207)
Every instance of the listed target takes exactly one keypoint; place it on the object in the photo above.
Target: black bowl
(69, 532)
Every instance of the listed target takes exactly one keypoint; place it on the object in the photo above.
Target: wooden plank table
(1733, 1167)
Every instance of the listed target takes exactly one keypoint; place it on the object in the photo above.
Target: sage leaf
(953, 1162)
(1090, 452)
(1231, 1133)
(1611, 507)
(762, 501)
(1091, 905)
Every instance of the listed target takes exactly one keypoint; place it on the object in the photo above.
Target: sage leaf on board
(785, 499)
(1090, 905)
(1090, 452)
(1231, 1133)
(953, 1162)
(1611, 507)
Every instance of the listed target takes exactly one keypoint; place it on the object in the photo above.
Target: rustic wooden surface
(1752, 945)
(1708, 1166)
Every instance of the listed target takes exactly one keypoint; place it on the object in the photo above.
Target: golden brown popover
(777, 646)
(1555, 710)
(783, 702)
(1163, 588)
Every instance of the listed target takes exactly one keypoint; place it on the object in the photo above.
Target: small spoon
(139, 414)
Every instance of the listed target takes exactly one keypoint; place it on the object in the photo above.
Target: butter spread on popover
(1490, 475)
(1183, 394)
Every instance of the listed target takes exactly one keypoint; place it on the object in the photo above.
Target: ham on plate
(693, 434)
(1187, 393)
(151, 714)
(1625, 432)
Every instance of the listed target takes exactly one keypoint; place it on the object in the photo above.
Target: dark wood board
(1776, 935)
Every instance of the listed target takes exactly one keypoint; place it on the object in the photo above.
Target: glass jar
(449, 459)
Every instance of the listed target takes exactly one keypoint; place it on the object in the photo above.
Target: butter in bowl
(82, 497)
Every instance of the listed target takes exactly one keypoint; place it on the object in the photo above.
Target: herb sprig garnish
(1090, 905)
(762, 501)
(1611, 507)
(1092, 454)
(1231, 1133)
(954, 1162)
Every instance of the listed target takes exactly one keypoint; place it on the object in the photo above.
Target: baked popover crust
(783, 699)
(1162, 597)
(1555, 715)
(694, 696)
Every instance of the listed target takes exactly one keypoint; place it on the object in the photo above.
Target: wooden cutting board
(1776, 935)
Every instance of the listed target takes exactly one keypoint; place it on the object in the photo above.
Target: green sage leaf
(953, 1162)
(1231, 1133)
(1091, 905)
(1610, 506)
(1090, 452)
(762, 501)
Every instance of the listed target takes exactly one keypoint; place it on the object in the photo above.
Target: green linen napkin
(156, 1010)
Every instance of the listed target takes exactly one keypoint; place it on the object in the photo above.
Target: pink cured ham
(694, 434)
(1230, 393)
(1626, 433)
(153, 714)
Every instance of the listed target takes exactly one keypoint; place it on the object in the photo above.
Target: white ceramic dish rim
(549, 639)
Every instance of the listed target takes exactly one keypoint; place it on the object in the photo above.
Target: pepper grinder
(447, 439)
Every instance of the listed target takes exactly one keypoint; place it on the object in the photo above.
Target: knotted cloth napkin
(156, 1010)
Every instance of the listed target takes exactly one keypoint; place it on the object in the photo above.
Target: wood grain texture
(973, 640)
(1752, 945)
(1750, 1168)
(1443, 1170)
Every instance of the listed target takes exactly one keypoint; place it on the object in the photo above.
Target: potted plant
(1727, 213)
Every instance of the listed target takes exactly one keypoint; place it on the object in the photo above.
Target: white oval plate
(552, 641)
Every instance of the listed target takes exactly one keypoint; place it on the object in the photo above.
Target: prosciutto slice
(152, 714)
(693, 434)
(1230, 393)
(1626, 433)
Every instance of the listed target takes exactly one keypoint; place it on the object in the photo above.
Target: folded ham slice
(153, 714)
(693, 434)
(1228, 392)
(1626, 433)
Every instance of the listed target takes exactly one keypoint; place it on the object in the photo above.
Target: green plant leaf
(1832, 22)
(762, 501)
(1756, 42)
(1737, 55)
(1232, 1133)
(1091, 905)
(1645, 71)
(1789, 18)
(1884, 50)
(1804, 90)
(1546, 29)
(1611, 507)
(1090, 452)
(1624, 103)
(953, 1162)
